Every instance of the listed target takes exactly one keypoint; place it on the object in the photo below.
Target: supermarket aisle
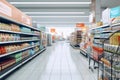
(59, 62)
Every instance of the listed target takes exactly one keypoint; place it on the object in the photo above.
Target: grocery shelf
(6, 19)
(98, 43)
(75, 46)
(19, 41)
(21, 33)
(100, 38)
(18, 51)
(111, 45)
(103, 32)
(106, 25)
(111, 52)
(111, 75)
(108, 73)
(117, 24)
(106, 32)
(109, 67)
(113, 31)
(84, 52)
(19, 65)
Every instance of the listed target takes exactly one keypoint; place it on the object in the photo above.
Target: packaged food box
(7, 63)
(18, 59)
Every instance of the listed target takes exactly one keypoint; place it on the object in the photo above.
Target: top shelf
(117, 24)
(101, 26)
(6, 19)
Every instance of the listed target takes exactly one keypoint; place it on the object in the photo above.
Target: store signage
(52, 30)
(115, 12)
(80, 25)
(5, 9)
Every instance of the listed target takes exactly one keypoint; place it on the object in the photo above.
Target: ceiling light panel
(59, 16)
(54, 12)
(58, 22)
(55, 3)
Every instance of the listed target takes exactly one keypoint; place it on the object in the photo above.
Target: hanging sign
(80, 25)
(52, 30)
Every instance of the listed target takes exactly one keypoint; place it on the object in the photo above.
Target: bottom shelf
(75, 46)
(17, 65)
(83, 52)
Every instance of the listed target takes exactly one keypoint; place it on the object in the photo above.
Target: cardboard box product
(0, 67)
(7, 63)
(16, 14)
(8, 10)
(114, 40)
(26, 19)
(5, 9)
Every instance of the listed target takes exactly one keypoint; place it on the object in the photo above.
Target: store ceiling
(59, 13)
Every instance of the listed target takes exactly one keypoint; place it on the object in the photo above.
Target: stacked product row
(15, 58)
(4, 37)
(16, 28)
(5, 49)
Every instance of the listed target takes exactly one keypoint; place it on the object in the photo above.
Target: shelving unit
(76, 38)
(111, 58)
(84, 52)
(43, 41)
(24, 46)
(84, 44)
(20, 41)
(99, 35)
(20, 33)
(106, 25)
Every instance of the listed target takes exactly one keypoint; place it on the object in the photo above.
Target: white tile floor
(58, 62)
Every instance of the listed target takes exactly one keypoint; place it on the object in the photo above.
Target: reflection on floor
(58, 62)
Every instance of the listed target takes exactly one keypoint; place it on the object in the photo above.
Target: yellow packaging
(114, 40)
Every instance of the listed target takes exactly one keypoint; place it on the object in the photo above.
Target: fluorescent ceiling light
(50, 3)
(59, 22)
(58, 16)
(54, 12)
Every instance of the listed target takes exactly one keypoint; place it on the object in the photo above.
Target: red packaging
(97, 51)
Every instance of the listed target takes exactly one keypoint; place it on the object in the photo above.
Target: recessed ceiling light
(50, 3)
(54, 12)
(59, 16)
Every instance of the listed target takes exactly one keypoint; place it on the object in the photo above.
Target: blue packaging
(115, 12)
